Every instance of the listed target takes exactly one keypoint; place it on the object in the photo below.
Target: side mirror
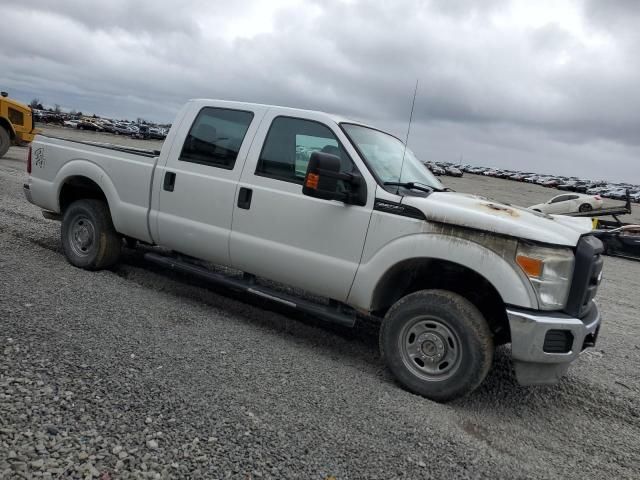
(321, 180)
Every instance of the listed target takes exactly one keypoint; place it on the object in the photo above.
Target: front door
(289, 237)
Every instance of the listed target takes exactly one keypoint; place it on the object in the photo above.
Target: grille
(586, 276)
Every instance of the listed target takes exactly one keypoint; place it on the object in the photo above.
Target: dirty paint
(494, 207)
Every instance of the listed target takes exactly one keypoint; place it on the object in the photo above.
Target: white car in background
(569, 203)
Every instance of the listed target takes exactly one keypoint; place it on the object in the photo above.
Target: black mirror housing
(319, 181)
(323, 174)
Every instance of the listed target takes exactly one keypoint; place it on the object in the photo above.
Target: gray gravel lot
(139, 373)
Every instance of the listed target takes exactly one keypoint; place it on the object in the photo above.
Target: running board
(334, 313)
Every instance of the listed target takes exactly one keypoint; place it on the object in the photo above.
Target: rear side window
(216, 136)
(289, 144)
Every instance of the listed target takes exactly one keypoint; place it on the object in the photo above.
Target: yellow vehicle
(16, 123)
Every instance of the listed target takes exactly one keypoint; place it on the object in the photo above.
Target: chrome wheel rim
(429, 348)
(82, 236)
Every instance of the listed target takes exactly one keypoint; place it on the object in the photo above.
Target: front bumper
(540, 359)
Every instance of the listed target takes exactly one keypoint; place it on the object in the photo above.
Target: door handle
(169, 181)
(244, 198)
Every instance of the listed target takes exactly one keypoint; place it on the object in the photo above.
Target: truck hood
(483, 214)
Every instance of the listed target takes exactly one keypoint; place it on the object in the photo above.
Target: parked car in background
(142, 132)
(70, 123)
(435, 169)
(621, 242)
(107, 126)
(550, 183)
(453, 171)
(122, 129)
(569, 203)
(157, 133)
(596, 190)
(89, 124)
(616, 193)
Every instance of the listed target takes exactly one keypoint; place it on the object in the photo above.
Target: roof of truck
(236, 104)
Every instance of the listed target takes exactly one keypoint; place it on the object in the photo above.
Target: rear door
(286, 236)
(198, 181)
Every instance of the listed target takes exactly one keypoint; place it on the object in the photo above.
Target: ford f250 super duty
(344, 212)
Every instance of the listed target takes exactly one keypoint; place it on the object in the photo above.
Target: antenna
(404, 151)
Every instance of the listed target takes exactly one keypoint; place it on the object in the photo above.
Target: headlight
(550, 271)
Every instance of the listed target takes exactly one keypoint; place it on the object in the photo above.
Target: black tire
(5, 141)
(437, 312)
(89, 239)
(585, 207)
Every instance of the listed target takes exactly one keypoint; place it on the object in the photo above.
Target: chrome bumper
(534, 363)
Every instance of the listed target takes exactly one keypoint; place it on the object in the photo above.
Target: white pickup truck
(344, 212)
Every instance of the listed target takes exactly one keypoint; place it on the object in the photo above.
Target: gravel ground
(139, 373)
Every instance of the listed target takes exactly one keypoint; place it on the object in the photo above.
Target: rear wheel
(437, 344)
(585, 207)
(5, 141)
(89, 239)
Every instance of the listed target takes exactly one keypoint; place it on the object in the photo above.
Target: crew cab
(347, 215)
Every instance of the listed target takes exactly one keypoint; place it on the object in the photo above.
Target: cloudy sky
(547, 86)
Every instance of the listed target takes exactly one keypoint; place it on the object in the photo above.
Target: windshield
(383, 153)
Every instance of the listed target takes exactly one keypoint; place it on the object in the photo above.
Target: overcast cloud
(548, 86)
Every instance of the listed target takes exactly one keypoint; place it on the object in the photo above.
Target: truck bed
(123, 173)
(110, 146)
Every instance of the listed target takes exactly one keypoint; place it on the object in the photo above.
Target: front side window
(289, 145)
(560, 198)
(384, 155)
(216, 136)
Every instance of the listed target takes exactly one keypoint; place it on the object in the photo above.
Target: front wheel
(89, 239)
(437, 344)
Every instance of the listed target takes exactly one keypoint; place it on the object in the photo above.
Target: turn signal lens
(531, 266)
(312, 181)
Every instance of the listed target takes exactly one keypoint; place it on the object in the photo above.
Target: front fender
(510, 283)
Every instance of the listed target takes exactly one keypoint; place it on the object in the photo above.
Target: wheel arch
(81, 177)
(435, 260)
(425, 273)
(6, 124)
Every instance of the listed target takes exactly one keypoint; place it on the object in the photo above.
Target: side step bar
(335, 312)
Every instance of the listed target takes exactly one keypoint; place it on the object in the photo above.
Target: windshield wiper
(415, 186)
